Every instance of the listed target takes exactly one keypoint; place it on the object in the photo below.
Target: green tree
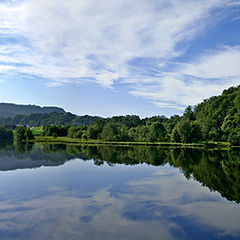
(175, 136)
(95, 129)
(184, 130)
(29, 135)
(110, 132)
(19, 134)
(23, 134)
(234, 137)
(157, 132)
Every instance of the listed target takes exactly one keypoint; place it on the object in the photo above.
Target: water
(73, 192)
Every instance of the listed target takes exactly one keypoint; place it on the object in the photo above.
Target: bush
(234, 137)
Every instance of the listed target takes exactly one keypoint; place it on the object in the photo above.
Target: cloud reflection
(159, 205)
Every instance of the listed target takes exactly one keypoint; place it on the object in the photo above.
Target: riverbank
(67, 140)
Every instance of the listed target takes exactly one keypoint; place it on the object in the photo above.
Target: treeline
(216, 119)
(53, 118)
(133, 129)
(122, 128)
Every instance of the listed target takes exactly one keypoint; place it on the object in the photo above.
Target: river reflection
(90, 192)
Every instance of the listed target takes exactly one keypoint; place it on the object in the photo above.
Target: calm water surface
(73, 192)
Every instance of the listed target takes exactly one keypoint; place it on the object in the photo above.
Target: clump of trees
(128, 128)
(187, 129)
(23, 134)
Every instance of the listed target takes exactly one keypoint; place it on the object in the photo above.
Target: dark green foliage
(195, 132)
(170, 123)
(189, 114)
(71, 131)
(186, 131)
(128, 121)
(110, 131)
(215, 119)
(23, 134)
(29, 134)
(175, 136)
(183, 128)
(79, 134)
(219, 116)
(157, 132)
(75, 132)
(19, 134)
(234, 137)
(95, 129)
(139, 133)
(55, 131)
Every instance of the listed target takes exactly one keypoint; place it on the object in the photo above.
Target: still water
(88, 192)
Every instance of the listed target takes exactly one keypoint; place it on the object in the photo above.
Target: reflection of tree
(22, 148)
(5, 143)
(218, 170)
(51, 148)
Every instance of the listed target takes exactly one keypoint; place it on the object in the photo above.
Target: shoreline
(76, 141)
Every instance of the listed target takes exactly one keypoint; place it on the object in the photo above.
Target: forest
(215, 119)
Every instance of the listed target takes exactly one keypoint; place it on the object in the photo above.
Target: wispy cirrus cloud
(132, 42)
(190, 83)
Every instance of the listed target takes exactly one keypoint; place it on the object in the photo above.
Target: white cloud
(191, 83)
(223, 63)
(90, 40)
(168, 105)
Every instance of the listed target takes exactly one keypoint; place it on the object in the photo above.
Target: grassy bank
(65, 140)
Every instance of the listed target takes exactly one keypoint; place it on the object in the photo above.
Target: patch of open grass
(37, 131)
(101, 142)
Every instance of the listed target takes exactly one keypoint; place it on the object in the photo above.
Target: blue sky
(144, 57)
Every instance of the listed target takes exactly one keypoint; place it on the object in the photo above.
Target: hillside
(54, 118)
(219, 116)
(12, 110)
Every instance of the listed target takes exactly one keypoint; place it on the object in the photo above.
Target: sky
(118, 57)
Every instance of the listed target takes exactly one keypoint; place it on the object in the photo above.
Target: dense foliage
(23, 134)
(12, 110)
(215, 119)
(219, 117)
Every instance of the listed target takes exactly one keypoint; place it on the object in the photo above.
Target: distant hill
(31, 115)
(12, 110)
